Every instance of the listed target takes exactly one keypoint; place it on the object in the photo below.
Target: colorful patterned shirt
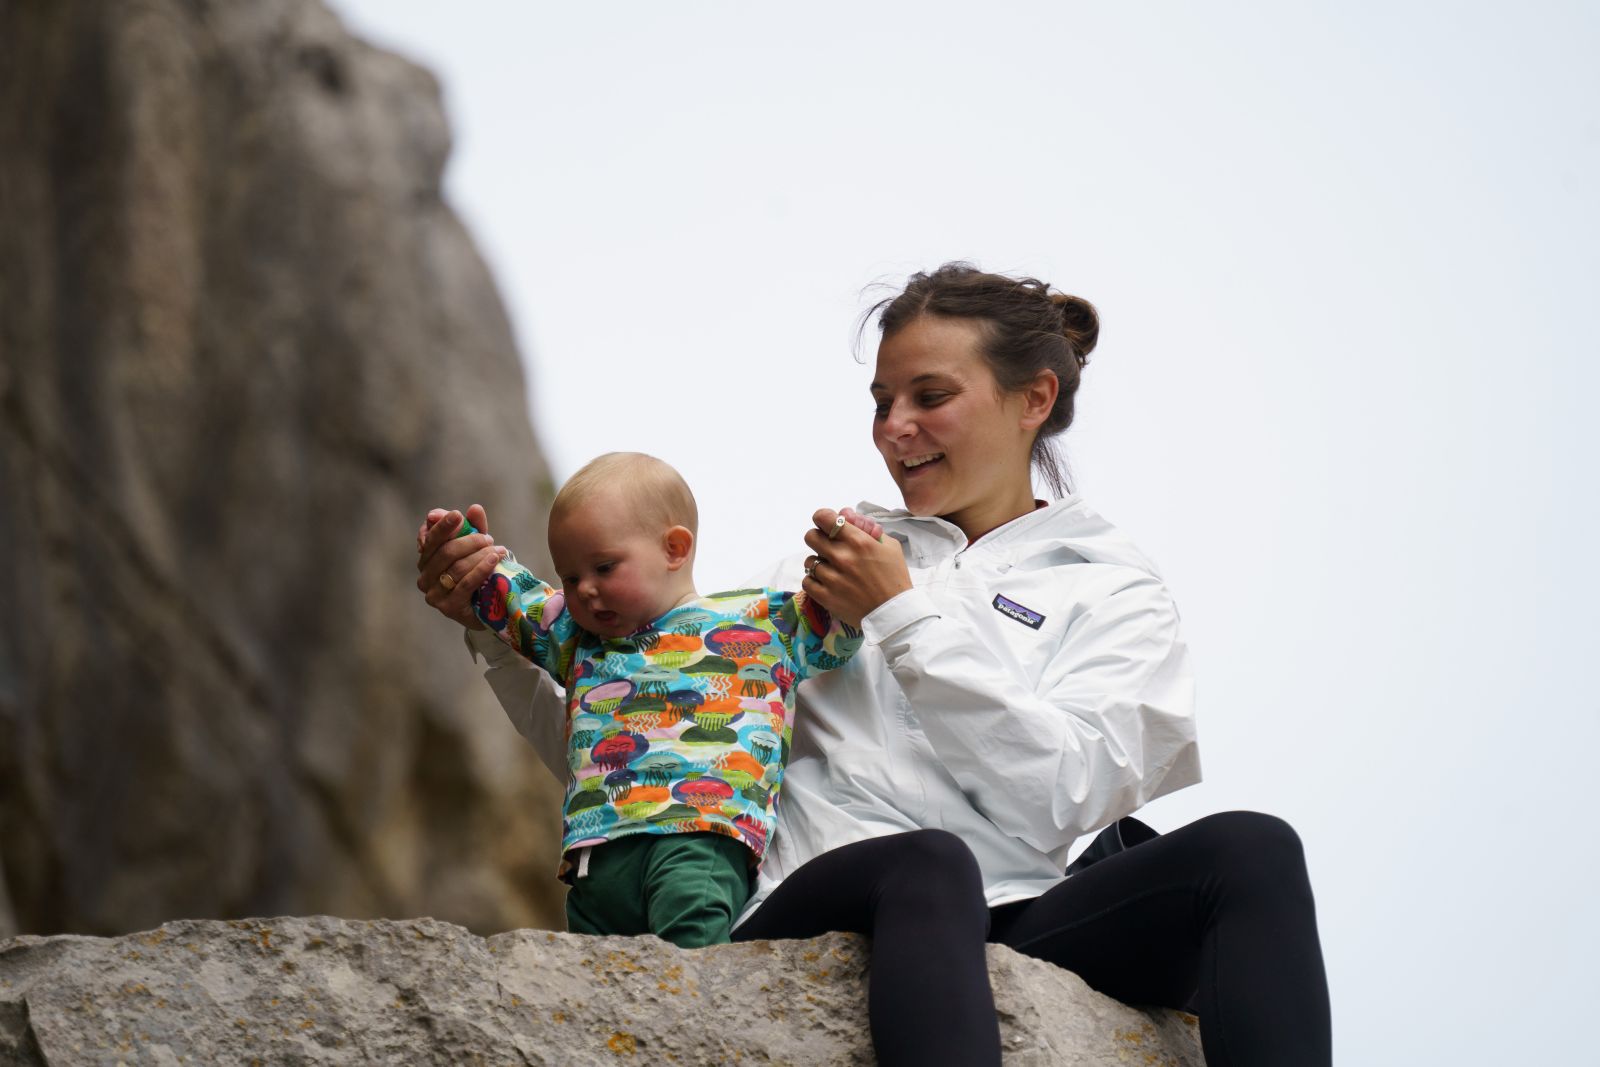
(683, 725)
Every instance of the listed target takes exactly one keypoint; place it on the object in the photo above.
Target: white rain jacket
(1031, 688)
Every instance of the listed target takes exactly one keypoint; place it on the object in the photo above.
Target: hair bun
(1080, 322)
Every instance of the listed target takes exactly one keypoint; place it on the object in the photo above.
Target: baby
(679, 706)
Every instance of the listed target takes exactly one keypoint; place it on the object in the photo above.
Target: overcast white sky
(1346, 257)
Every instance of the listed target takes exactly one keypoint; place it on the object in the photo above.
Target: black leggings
(1218, 914)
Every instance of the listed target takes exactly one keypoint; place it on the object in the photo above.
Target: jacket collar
(1068, 527)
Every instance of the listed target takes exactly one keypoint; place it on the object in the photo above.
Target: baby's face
(614, 573)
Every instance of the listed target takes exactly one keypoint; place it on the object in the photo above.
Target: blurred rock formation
(244, 344)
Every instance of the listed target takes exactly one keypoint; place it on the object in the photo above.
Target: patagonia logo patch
(1012, 610)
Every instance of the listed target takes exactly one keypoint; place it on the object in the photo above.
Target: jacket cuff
(896, 613)
(484, 643)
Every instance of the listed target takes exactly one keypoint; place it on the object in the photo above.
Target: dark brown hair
(1026, 328)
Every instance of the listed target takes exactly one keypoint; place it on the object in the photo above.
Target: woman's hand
(852, 571)
(450, 569)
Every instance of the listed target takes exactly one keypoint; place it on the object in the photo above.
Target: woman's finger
(458, 604)
(439, 532)
(446, 556)
(428, 522)
(456, 601)
(818, 542)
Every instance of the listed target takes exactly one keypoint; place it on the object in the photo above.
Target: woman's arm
(532, 700)
(1108, 727)
(534, 703)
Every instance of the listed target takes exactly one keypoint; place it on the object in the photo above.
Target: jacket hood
(1075, 534)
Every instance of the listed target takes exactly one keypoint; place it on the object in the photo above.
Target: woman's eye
(929, 400)
(880, 409)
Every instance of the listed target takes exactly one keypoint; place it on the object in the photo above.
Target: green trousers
(684, 888)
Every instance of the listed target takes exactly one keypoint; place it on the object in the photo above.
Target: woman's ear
(679, 544)
(1039, 399)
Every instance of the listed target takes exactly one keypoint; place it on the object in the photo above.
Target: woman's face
(955, 444)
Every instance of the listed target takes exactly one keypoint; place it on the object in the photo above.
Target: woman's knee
(1251, 843)
(936, 863)
(934, 850)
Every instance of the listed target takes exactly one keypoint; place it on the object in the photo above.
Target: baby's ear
(679, 543)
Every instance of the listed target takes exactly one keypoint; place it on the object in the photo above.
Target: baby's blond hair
(657, 493)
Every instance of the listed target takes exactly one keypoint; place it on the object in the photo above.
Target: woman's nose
(895, 424)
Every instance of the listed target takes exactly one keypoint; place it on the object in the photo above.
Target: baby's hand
(867, 526)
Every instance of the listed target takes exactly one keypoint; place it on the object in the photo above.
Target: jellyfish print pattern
(683, 702)
(703, 794)
(690, 621)
(673, 651)
(604, 699)
(738, 641)
(763, 745)
(784, 677)
(755, 679)
(661, 768)
(681, 726)
(655, 681)
(619, 784)
(754, 832)
(489, 603)
(619, 750)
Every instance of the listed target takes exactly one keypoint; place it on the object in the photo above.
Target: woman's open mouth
(912, 465)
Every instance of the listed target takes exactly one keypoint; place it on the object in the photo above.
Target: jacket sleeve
(529, 615)
(532, 700)
(1108, 726)
(821, 642)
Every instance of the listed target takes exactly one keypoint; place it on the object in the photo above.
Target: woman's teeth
(917, 461)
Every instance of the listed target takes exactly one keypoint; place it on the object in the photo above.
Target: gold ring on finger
(448, 582)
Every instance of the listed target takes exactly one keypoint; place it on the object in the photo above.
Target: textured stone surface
(319, 990)
(243, 345)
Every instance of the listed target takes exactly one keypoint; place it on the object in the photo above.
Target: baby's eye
(568, 579)
(605, 568)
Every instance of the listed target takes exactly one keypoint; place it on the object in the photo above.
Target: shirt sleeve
(532, 700)
(1108, 726)
(530, 616)
(820, 641)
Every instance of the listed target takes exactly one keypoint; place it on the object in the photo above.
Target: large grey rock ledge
(324, 990)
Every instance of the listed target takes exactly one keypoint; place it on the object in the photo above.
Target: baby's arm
(528, 614)
(821, 641)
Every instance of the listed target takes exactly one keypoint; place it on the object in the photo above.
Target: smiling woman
(1025, 683)
(1033, 342)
